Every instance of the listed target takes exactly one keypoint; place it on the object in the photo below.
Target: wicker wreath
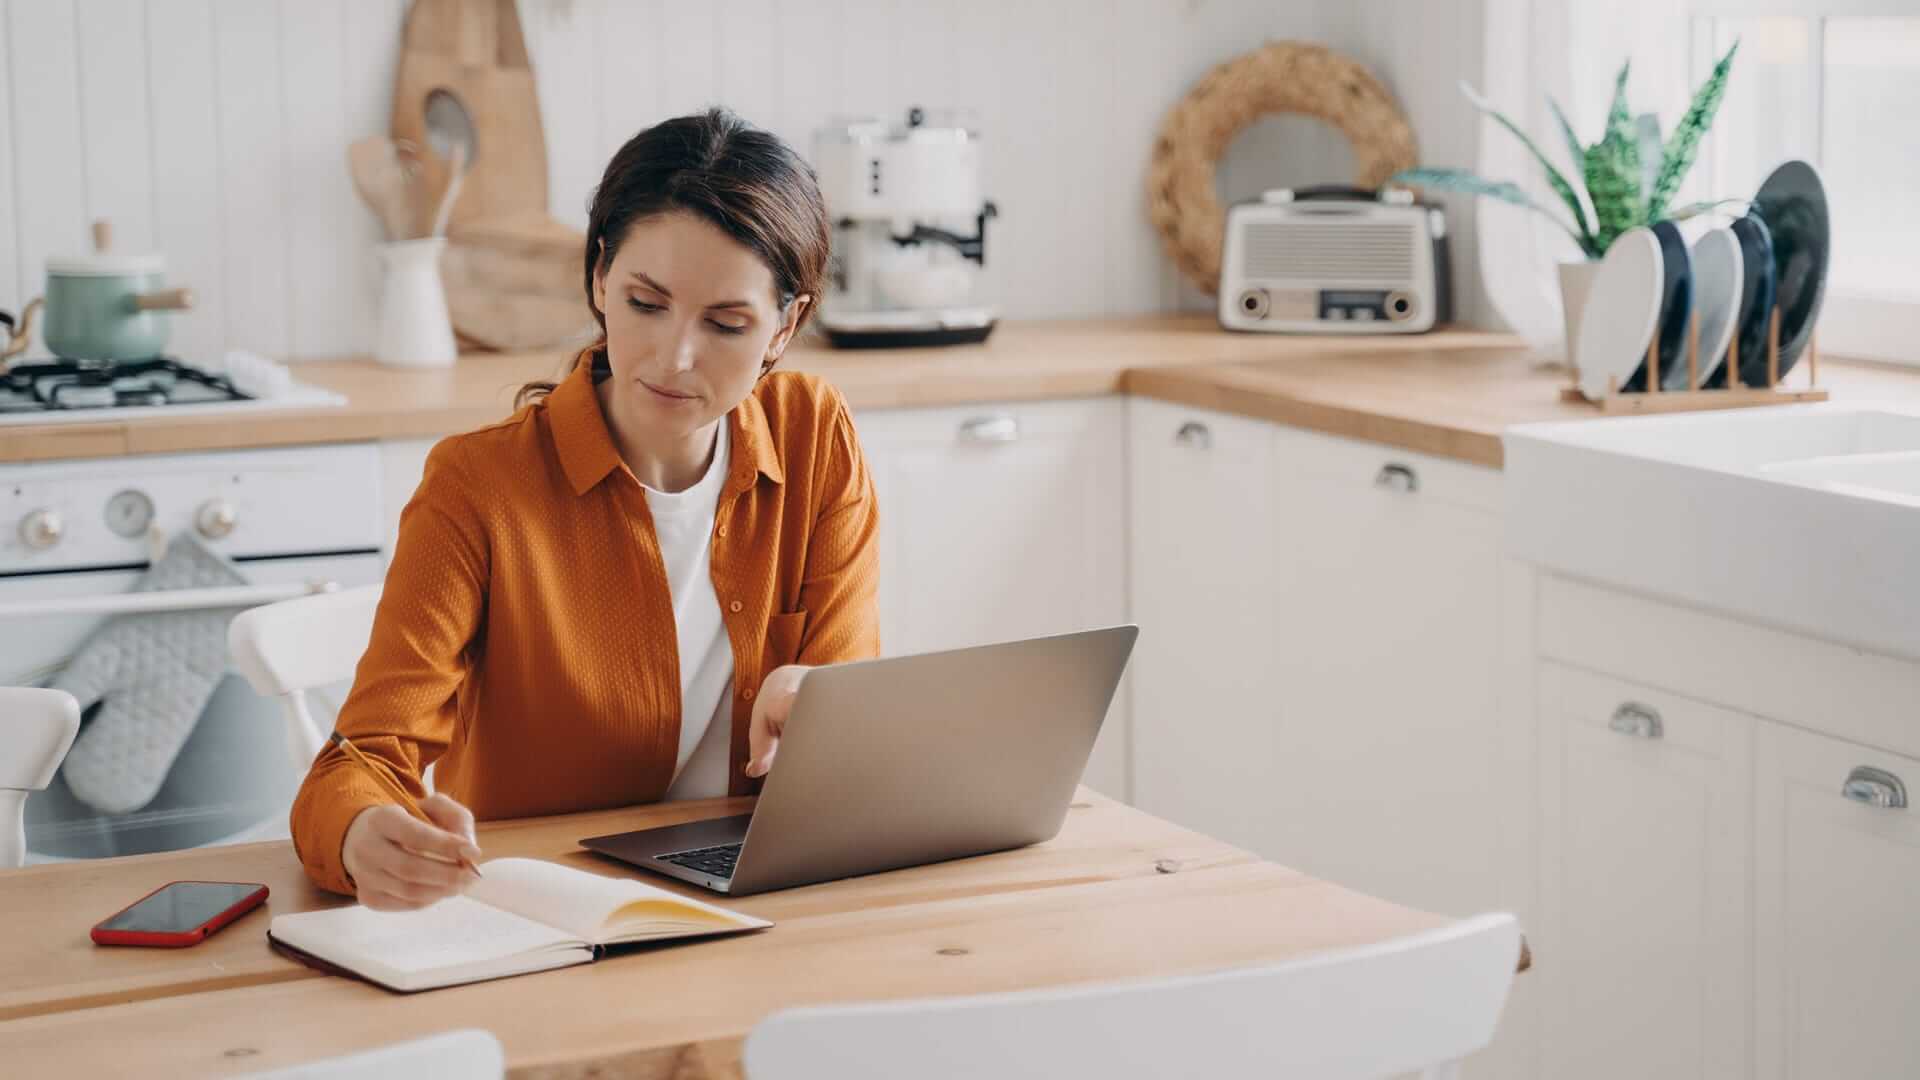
(1283, 76)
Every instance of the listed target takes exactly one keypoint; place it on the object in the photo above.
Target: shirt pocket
(783, 639)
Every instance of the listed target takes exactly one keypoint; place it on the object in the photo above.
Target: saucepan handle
(164, 300)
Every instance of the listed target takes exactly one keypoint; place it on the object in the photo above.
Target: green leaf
(1692, 210)
(1574, 148)
(1646, 134)
(1554, 177)
(1613, 171)
(1684, 143)
(1464, 182)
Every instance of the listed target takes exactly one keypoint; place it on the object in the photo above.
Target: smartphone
(179, 913)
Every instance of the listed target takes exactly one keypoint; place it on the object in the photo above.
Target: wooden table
(1118, 894)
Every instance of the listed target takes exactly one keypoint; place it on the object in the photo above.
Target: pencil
(393, 788)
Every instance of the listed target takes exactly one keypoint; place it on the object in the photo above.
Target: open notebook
(523, 915)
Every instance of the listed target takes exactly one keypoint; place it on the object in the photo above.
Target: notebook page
(589, 906)
(454, 932)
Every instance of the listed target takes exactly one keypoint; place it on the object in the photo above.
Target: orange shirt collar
(587, 452)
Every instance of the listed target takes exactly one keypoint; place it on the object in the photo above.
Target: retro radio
(1335, 260)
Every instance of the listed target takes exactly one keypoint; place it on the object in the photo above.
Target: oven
(77, 536)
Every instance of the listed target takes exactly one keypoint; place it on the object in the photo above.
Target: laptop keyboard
(717, 861)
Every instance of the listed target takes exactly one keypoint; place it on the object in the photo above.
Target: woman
(612, 596)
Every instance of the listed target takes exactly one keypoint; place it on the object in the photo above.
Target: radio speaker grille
(1351, 251)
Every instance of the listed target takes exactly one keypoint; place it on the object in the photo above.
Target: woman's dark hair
(744, 181)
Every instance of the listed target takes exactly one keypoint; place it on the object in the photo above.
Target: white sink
(1803, 516)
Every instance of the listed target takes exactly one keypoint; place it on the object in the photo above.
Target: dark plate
(1676, 304)
(1793, 203)
(1756, 299)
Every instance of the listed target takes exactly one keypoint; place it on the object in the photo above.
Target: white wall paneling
(188, 225)
(11, 293)
(567, 48)
(254, 204)
(215, 131)
(321, 276)
(49, 172)
(112, 37)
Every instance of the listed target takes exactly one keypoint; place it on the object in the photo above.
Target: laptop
(904, 761)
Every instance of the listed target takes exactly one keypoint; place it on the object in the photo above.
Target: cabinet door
(402, 461)
(1646, 819)
(1383, 772)
(1201, 569)
(1836, 932)
(1000, 522)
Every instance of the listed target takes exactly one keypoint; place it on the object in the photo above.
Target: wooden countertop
(1021, 361)
(1450, 393)
(1117, 894)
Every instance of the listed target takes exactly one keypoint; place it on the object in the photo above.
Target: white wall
(214, 131)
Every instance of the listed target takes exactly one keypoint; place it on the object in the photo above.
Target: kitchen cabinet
(1002, 521)
(402, 461)
(1387, 660)
(1317, 673)
(1725, 899)
(1645, 819)
(1204, 535)
(1837, 869)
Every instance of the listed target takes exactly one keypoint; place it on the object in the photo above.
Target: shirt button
(747, 694)
(735, 606)
(723, 530)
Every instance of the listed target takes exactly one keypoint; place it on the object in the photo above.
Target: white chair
(288, 648)
(36, 729)
(467, 1054)
(1420, 1002)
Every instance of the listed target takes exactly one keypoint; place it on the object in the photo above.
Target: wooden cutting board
(512, 273)
(474, 48)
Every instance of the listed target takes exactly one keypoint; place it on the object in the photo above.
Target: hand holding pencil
(406, 854)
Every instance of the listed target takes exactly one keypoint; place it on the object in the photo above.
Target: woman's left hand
(771, 707)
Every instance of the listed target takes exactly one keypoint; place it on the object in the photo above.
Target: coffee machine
(909, 233)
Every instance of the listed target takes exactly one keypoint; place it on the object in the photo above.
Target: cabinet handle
(990, 429)
(1397, 477)
(1195, 435)
(1875, 787)
(1639, 720)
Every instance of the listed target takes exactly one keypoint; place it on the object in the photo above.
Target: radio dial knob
(42, 529)
(216, 519)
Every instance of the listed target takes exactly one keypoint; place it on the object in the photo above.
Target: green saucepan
(110, 307)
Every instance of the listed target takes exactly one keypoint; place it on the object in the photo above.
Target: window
(1836, 83)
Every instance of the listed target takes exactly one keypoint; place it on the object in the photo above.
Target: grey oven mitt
(153, 673)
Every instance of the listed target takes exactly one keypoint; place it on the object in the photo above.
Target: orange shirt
(525, 636)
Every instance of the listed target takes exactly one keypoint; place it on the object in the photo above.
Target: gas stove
(66, 391)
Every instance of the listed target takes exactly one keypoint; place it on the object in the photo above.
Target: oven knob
(215, 519)
(42, 529)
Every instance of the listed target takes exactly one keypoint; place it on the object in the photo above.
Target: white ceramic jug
(414, 328)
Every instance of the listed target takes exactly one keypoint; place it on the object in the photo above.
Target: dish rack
(1731, 396)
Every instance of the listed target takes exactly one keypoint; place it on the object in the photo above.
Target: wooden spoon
(383, 176)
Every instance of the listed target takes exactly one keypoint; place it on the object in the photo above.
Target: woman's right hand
(396, 860)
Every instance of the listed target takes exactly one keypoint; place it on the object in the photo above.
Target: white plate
(1718, 271)
(1621, 313)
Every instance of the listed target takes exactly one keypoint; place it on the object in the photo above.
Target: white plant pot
(1576, 278)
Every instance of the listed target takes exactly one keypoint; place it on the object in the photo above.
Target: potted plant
(1629, 177)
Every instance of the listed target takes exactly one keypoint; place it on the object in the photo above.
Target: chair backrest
(1419, 1002)
(285, 649)
(36, 728)
(467, 1054)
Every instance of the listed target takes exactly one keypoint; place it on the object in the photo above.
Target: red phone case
(182, 938)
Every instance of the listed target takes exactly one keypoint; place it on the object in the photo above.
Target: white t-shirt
(683, 522)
